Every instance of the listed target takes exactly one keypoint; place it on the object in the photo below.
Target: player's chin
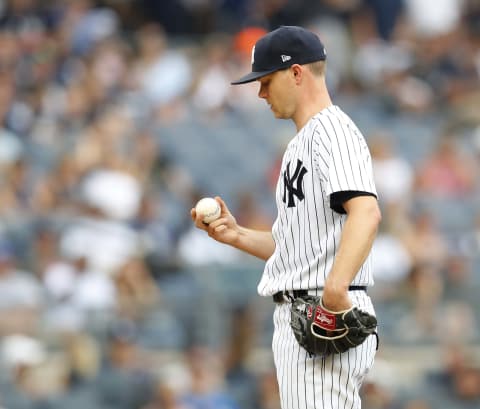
(277, 114)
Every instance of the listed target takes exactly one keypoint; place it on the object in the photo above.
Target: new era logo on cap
(281, 48)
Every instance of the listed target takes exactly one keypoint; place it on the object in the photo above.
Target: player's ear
(297, 72)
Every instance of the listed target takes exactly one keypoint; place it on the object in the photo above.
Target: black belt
(282, 296)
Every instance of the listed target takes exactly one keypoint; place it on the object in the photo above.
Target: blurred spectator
(162, 74)
(190, 17)
(21, 296)
(123, 382)
(394, 178)
(392, 265)
(377, 391)
(241, 381)
(172, 381)
(377, 396)
(17, 183)
(11, 148)
(386, 14)
(44, 250)
(375, 60)
(470, 240)
(195, 249)
(82, 358)
(467, 387)
(456, 383)
(431, 21)
(165, 398)
(137, 294)
(157, 237)
(108, 66)
(84, 25)
(55, 192)
(212, 90)
(114, 194)
(22, 359)
(417, 404)
(249, 212)
(424, 320)
(105, 243)
(335, 36)
(107, 142)
(425, 242)
(245, 39)
(465, 327)
(206, 387)
(460, 283)
(447, 172)
(393, 173)
(269, 397)
(79, 295)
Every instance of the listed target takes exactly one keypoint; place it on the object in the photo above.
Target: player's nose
(262, 92)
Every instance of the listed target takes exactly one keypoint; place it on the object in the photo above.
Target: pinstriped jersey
(329, 154)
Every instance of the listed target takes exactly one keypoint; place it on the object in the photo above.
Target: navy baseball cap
(281, 48)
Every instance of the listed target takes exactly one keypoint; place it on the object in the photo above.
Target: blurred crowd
(116, 116)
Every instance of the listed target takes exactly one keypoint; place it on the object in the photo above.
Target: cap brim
(253, 76)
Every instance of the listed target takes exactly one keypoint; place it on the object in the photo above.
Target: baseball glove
(324, 332)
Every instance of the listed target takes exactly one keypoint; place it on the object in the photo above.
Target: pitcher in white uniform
(327, 220)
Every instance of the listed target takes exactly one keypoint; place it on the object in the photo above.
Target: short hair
(317, 68)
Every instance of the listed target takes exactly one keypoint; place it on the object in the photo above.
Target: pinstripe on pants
(331, 382)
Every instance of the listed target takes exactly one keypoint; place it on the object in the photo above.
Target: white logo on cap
(253, 54)
(285, 57)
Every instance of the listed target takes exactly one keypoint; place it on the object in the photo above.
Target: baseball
(210, 209)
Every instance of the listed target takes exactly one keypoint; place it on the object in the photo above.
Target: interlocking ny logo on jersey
(293, 183)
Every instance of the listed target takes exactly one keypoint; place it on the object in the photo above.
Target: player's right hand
(225, 229)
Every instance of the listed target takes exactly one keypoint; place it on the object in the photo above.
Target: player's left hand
(322, 331)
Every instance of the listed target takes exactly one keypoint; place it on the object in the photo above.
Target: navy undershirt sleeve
(337, 199)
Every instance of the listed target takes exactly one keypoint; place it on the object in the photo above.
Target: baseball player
(328, 216)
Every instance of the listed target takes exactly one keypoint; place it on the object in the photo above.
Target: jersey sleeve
(345, 164)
